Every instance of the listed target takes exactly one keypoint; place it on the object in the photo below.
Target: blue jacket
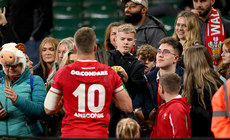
(22, 116)
(147, 98)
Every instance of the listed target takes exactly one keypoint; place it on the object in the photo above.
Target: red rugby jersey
(87, 88)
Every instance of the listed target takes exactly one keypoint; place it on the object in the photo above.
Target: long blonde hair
(127, 128)
(192, 35)
(54, 43)
(69, 42)
(65, 60)
(199, 74)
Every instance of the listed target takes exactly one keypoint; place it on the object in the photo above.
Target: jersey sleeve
(118, 82)
(57, 82)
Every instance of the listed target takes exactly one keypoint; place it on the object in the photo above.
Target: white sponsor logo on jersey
(89, 73)
(89, 115)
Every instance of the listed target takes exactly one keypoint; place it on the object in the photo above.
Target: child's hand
(153, 114)
(122, 73)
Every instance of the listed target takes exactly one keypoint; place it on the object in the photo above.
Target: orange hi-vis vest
(221, 113)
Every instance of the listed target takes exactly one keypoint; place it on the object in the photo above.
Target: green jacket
(22, 116)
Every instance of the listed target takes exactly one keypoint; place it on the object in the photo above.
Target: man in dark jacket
(149, 29)
(214, 28)
(167, 56)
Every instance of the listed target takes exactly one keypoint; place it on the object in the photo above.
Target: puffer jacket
(22, 116)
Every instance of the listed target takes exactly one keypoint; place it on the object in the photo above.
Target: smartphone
(1, 105)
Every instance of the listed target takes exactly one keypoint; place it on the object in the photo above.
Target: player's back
(87, 88)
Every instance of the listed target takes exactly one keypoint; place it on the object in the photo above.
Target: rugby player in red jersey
(85, 88)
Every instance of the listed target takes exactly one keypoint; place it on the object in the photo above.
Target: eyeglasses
(165, 52)
(12, 66)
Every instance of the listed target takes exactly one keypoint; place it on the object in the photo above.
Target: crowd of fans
(141, 83)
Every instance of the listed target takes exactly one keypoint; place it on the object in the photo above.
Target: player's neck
(86, 56)
(170, 96)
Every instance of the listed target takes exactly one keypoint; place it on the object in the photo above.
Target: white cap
(142, 2)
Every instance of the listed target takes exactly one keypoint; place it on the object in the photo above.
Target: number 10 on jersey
(80, 92)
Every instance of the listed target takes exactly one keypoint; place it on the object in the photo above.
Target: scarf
(215, 36)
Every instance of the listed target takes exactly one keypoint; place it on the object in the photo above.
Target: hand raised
(3, 113)
(122, 73)
(3, 20)
(11, 94)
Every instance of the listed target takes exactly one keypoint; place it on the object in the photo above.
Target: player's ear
(160, 89)
(75, 48)
(95, 48)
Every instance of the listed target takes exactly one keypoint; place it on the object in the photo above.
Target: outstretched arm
(53, 102)
(123, 101)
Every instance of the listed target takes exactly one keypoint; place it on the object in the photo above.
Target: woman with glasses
(21, 95)
(200, 84)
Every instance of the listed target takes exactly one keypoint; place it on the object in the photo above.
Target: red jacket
(173, 120)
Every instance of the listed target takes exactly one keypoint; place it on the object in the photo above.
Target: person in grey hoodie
(149, 29)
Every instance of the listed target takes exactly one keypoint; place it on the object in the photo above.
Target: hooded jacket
(22, 116)
(133, 67)
(146, 99)
(150, 32)
(172, 120)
